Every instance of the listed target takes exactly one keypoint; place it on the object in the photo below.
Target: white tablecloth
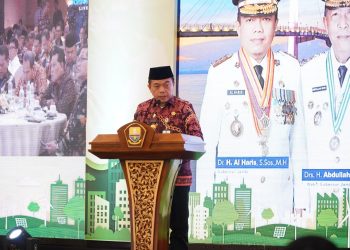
(19, 137)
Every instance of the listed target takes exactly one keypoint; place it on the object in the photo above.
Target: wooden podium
(150, 163)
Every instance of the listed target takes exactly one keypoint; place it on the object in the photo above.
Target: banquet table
(22, 136)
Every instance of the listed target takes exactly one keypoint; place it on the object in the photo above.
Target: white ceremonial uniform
(226, 97)
(327, 149)
(318, 114)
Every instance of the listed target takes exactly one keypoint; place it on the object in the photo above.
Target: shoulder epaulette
(305, 61)
(287, 54)
(221, 60)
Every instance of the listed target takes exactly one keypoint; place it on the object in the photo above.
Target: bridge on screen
(214, 18)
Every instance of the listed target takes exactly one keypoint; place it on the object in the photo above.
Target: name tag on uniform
(319, 88)
(235, 92)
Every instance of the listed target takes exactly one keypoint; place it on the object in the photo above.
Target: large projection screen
(289, 179)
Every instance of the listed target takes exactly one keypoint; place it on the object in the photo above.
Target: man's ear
(238, 27)
(324, 19)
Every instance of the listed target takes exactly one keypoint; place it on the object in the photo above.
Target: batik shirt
(177, 116)
(73, 143)
(4, 83)
(63, 93)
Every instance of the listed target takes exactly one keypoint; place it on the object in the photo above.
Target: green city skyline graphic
(65, 217)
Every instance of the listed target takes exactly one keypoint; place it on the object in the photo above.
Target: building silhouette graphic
(208, 203)
(91, 209)
(58, 201)
(114, 174)
(220, 192)
(101, 213)
(194, 201)
(243, 206)
(327, 202)
(123, 202)
(79, 187)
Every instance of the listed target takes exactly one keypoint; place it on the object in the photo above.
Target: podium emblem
(135, 135)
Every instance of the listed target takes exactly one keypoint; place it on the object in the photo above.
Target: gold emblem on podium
(135, 135)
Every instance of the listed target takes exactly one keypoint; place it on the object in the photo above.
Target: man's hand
(50, 147)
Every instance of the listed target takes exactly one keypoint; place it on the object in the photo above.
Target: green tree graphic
(327, 218)
(118, 215)
(75, 209)
(267, 214)
(224, 213)
(33, 207)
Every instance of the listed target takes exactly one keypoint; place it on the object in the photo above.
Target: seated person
(5, 75)
(61, 90)
(32, 72)
(73, 141)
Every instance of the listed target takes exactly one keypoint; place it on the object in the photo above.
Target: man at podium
(166, 113)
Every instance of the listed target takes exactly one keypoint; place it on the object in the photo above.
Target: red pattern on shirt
(178, 116)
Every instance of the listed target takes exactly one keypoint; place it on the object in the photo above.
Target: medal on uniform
(334, 143)
(236, 127)
(317, 118)
(263, 145)
(338, 114)
(260, 99)
(264, 121)
(286, 98)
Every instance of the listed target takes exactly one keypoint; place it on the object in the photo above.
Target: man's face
(162, 90)
(4, 63)
(58, 32)
(57, 68)
(71, 54)
(30, 43)
(27, 71)
(256, 34)
(36, 47)
(337, 23)
(45, 44)
(82, 65)
(12, 51)
(82, 35)
(21, 39)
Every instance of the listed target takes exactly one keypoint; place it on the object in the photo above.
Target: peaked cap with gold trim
(256, 7)
(332, 4)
